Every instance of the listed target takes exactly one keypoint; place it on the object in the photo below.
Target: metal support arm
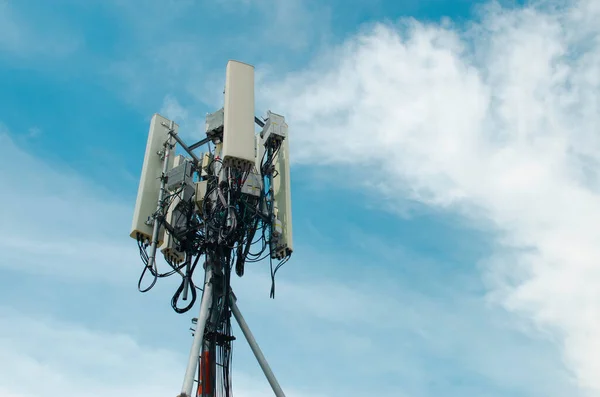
(262, 361)
(201, 142)
(185, 147)
(259, 122)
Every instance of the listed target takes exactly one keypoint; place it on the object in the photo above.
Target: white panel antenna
(283, 244)
(149, 186)
(238, 132)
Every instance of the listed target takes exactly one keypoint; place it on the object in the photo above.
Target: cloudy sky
(446, 194)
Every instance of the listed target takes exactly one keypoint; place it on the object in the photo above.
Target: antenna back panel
(147, 197)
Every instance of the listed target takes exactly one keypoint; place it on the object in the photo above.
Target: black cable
(152, 284)
(283, 262)
(179, 290)
(274, 271)
(145, 260)
(230, 228)
(272, 294)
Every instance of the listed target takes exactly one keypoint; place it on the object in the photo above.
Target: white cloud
(34, 132)
(415, 102)
(500, 122)
(58, 226)
(373, 323)
(55, 222)
(295, 25)
(65, 226)
(265, 32)
(42, 356)
(21, 38)
(172, 109)
(191, 127)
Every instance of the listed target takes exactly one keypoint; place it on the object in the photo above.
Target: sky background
(445, 180)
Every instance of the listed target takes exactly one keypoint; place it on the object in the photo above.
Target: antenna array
(226, 208)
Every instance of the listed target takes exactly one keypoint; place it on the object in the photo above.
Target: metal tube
(186, 284)
(259, 122)
(185, 147)
(262, 361)
(199, 143)
(159, 206)
(229, 216)
(272, 216)
(190, 372)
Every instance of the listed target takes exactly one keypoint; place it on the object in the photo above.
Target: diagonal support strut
(262, 361)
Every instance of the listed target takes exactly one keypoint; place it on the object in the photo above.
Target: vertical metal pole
(190, 372)
(271, 191)
(161, 196)
(262, 361)
(272, 209)
(186, 284)
(209, 381)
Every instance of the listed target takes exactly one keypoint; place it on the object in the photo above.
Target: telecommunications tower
(226, 207)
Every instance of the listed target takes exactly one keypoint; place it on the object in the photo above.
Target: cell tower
(216, 209)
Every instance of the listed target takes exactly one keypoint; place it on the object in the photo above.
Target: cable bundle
(229, 230)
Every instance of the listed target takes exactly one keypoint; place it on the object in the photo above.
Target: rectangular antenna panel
(180, 175)
(201, 188)
(214, 123)
(283, 202)
(207, 158)
(275, 128)
(147, 197)
(238, 133)
(169, 247)
(252, 185)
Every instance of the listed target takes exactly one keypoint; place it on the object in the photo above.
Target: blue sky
(445, 192)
